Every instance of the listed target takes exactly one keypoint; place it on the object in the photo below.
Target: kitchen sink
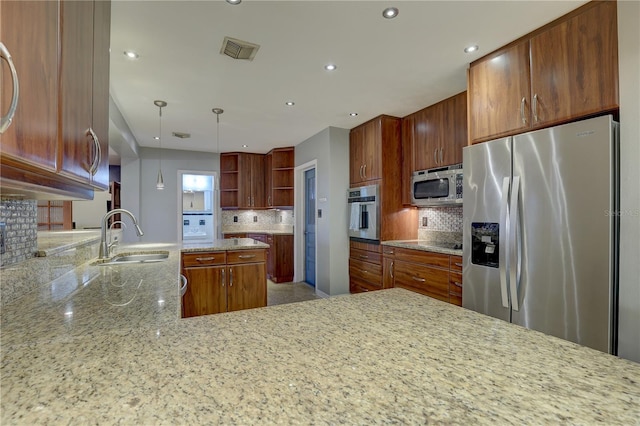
(127, 258)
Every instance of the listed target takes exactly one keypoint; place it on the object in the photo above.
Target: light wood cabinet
(57, 144)
(224, 281)
(563, 71)
(279, 176)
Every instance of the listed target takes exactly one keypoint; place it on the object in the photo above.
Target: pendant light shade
(160, 180)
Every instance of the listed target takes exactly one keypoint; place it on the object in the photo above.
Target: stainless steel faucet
(104, 246)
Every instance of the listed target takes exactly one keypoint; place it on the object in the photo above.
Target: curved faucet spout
(104, 246)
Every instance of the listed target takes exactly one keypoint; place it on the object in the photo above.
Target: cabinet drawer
(246, 256)
(389, 251)
(456, 263)
(423, 257)
(235, 235)
(455, 288)
(423, 279)
(360, 286)
(365, 271)
(258, 237)
(365, 256)
(203, 259)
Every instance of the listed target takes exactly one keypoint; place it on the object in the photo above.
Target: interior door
(310, 227)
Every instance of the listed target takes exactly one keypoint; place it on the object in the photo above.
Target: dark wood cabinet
(365, 148)
(222, 281)
(279, 176)
(365, 267)
(57, 144)
(242, 179)
(407, 135)
(455, 280)
(563, 71)
(279, 255)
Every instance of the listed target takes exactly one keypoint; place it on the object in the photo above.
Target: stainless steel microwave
(437, 187)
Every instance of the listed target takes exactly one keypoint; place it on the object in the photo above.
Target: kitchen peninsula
(106, 344)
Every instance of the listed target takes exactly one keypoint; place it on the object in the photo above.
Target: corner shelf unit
(280, 174)
(229, 179)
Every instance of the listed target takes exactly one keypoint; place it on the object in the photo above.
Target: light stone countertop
(259, 231)
(52, 242)
(105, 345)
(422, 246)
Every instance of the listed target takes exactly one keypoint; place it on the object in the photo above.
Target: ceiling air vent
(181, 135)
(238, 49)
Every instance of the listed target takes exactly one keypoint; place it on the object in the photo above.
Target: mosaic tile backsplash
(21, 230)
(257, 219)
(442, 223)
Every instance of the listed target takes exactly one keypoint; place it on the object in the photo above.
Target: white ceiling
(393, 67)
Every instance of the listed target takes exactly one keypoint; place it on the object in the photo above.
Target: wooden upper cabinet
(574, 67)
(455, 129)
(32, 135)
(251, 188)
(407, 135)
(428, 134)
(279, 176)
(77, 151)
(499, 93)
(365, 148)
(561, 72)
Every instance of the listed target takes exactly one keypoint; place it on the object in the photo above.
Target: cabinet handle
(364, 271)
(361, 172)
(269, 200)
(205, 259)
(391, 270)
(364, 171)
(364, 289)
(363, 256)
(389, 252)
(246, 256)
(222, 277)
(535, 108)
(230, 277)
(441, 156)
(183, 286)
(458, 264)
(435, 156)
(98, 154)
(457, 284)
(249, 201)
(522, 117)
(5, 121)
(418, 279)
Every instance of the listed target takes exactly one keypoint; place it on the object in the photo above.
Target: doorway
(198, 212)
(310, 227)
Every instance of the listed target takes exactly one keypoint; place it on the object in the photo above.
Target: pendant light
(217, 112)
(160, 180)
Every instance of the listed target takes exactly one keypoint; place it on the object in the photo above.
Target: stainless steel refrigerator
(540, 236)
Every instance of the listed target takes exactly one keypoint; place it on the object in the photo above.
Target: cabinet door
(257, 181)
(356, 155)
(206, 291)
(407, 136)
(372, 149)
(247, 286)
(499, 93)
(428, 124)
(244, 181)
(423, 279)
(100, 113)
(29, 31)
(268, 179)
(454, 129)
(574, 66)
(77, 150)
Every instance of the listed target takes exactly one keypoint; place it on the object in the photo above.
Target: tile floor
(279, 294)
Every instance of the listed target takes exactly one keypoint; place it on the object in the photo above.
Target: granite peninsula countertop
(423, 246)
(259, 231)
(52, 242)
(105, 344)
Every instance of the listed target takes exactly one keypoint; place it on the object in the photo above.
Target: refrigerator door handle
(514, 252)
(504, 208)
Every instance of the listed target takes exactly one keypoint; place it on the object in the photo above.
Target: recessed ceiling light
(330, 67)
(390, 12)
(156, 138)
(234, 1)
(131, 54)
(353, 114)
(470, 49)
(245, 146)
(290, 103)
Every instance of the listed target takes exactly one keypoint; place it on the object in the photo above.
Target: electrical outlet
(255, 218)
(424, 221)
(3, 237)
(319, 213)
(280, 219)
(235, 218)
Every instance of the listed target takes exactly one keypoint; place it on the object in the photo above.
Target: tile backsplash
(256, 219)
(440, 223)
(21, 230)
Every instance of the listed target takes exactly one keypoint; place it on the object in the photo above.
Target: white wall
(629, 57)
(89, 213)
(157, 211)
(330, 149)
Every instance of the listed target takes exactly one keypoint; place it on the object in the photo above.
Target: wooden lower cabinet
(279, 254)
(224, 281)
(365, 267)
(435, 275)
